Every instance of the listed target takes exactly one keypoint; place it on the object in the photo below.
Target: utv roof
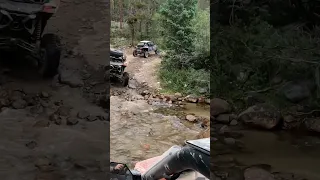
(145, 41)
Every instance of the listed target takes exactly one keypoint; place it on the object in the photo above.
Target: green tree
(177, 16)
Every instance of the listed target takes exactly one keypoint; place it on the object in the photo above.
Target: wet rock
(262, 116)
(55, 118)
(16, 95)
(70, 78)
(219, 106)
(255, 173)
(19, 104)
(44, 104)
(92, 118)
(63, 110)
(229, 141)
(223, 118)
(192, 98)
(234, 123)
(4, 103)
(44, 94)
(290, 122)
(72, 121)
(312, 124)
(191, 118)
(83, 114)
(296, 91)
(224, 129)
(31, 101)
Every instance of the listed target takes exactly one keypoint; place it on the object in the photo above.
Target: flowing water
(138, 133)
(283, 151)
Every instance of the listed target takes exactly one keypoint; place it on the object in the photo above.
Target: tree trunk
(121, 13)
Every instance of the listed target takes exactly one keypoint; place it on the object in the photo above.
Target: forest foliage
(181, 29)
(258, 46)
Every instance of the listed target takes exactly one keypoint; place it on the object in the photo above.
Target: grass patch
(185, 81)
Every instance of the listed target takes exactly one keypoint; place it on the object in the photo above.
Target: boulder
(219, 106)
(261, 115)
(312, 124)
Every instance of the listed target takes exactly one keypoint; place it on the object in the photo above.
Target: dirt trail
(51, 130)
(136, 131)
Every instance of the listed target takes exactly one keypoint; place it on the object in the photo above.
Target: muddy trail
(57, 129)
(143, 125)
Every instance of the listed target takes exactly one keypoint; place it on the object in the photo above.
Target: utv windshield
(140, 44)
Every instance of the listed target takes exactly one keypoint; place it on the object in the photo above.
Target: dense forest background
(180, 28)
(266, 51)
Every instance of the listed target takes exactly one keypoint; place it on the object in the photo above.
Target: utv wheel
(134, 54)
(125, 79)
(156, 52)
(146, 54)
(50, 55)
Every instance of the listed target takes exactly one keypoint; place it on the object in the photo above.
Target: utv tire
(156, 52)
(50, 58)
(125, 79)
(134, 54)
(146, 54)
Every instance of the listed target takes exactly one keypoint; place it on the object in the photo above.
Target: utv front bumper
(12, 43)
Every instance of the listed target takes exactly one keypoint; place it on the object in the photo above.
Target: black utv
(22, 23)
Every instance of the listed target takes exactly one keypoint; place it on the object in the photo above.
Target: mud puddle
(283, 151)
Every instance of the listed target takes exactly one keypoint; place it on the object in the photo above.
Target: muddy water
(198, 110)
(284, 152)
(138, 133)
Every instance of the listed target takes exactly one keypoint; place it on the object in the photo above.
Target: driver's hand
(119, 167)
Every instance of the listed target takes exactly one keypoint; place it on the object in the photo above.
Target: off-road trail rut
(58, 129)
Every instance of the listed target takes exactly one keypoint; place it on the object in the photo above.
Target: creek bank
(229, 139)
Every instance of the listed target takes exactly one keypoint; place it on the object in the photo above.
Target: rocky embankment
(226, 126)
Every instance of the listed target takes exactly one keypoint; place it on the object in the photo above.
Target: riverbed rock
(291, 122)
(83, 114)
(19, 104)
(263, 116)
(63, 110)
(296, 91)
(255, 173)
(72, 121)
(191, 98)
(234, 122)
(229, 141)
(219, 106)
(70, 78)
(191, 118)
(178, 95)
(312, 124)
(223, 118)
